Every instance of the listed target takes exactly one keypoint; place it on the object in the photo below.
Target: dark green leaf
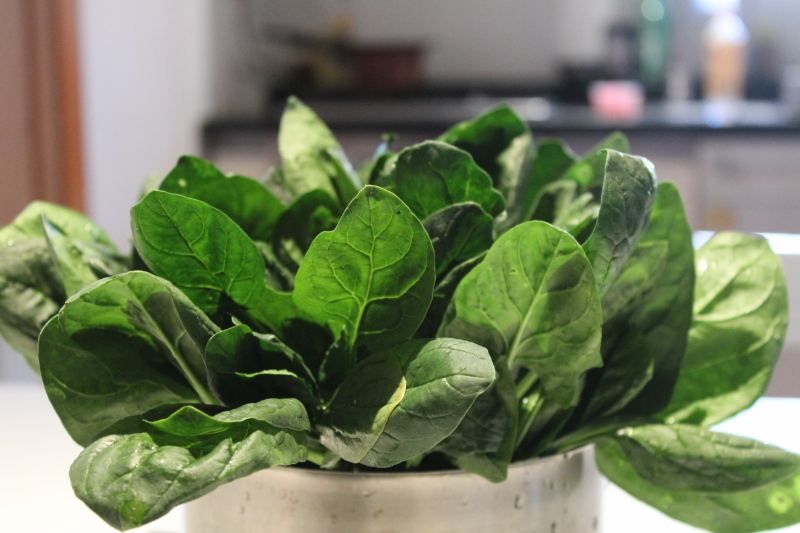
(487, 136)
(400, 403)
(772, 505)
(30, 294)
(533, 300)
(372, 277)
(310, 214)
(740, 320)
(431, 175)
(459, 233)
(243, 199)
(33, 274)
(484, 442)
(199, 249)
(626, 371)
(250, 366)
(665, 311)
(158, 337)
(628, 192)
(443, 294)
(681, 457)
(132, 479)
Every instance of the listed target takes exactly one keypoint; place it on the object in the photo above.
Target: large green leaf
(132, 479)
(303, 142)
(487, 136)
(199, 249)
(458, 233)
(243, 199)
(309, 215)
(400, 403)
(249, 366)
(740, 321)
(665, 311)
(432, 175)
(533, 300)
(36, 275)
(683, 457)
(768, 506)
(120, 348)
(628, 192)
(371, 278)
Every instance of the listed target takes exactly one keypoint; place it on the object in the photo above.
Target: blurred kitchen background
(97, 95)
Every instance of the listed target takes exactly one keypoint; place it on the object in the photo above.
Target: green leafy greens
(485, 298)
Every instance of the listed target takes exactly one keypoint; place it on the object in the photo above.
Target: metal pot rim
(455, 472)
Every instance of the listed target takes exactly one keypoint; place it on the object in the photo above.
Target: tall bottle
(725, 40)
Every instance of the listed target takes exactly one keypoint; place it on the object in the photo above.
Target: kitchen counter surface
(35, 454)
(543, 116)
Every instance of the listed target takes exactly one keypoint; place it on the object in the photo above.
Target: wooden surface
(40, 134)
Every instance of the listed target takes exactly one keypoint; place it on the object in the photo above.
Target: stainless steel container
(559, 494)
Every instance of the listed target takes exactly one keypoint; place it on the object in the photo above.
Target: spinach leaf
(533, 300)
(199, 249)
(249, 366)
(28, 225)
(442, 295)
(303, 139)
(487, 136)
(158, 338)
(485, 440)
(665, 311)
(551, 160)
(769, 505)
(309, 215)
(458, 233)
(514, 163)
(590, 169)
(740, 320)
(243, 199)
(628, 191)
(132, 479)
(30, 294)
(682, 457)
(370, 279)
(400, 403)
(626, 371)
(37, 273)
(80, 263)
(430, 176)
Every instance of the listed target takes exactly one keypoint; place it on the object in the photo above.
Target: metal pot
(559, 494)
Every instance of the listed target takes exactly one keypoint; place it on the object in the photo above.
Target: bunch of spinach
(474, 300)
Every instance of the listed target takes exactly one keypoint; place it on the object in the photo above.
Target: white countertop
(35, 454)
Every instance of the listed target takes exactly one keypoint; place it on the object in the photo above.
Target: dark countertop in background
(543, 116)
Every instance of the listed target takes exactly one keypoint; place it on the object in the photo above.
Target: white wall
(145, 78)
(145, 92)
